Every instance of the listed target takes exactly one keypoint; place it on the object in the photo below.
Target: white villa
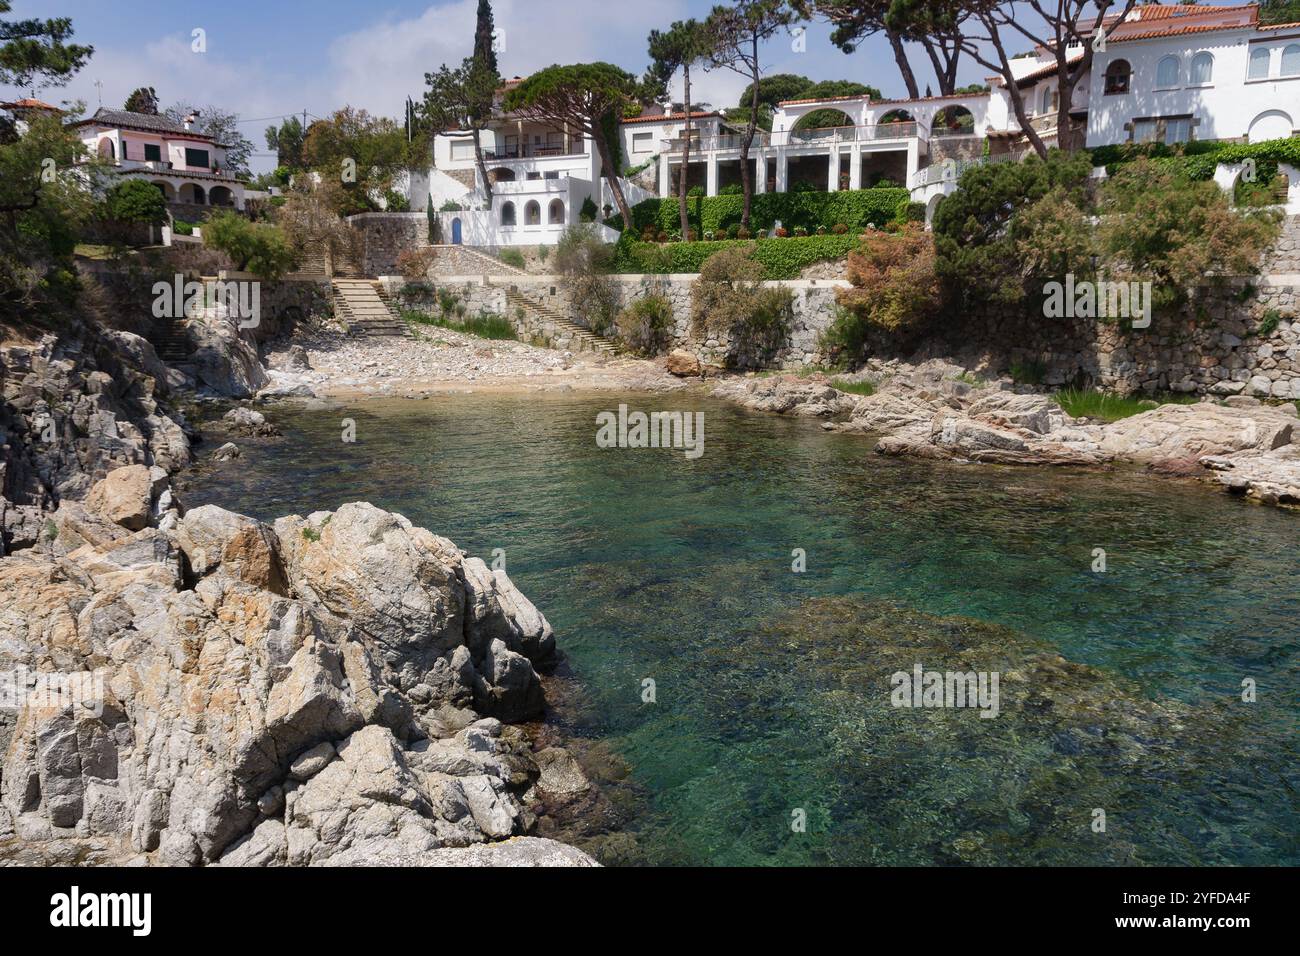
(1167, 73)
(188, 166)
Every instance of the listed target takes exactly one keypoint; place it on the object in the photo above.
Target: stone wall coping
(387, 215)
(635, 279)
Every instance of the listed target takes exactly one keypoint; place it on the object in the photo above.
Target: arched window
(1202, 69)
(508, 214)
(1167, 72)
(555, 212)
(1045, 105)
(1259, 64)
(532, 213)
(1118, 74)
(1291, 60)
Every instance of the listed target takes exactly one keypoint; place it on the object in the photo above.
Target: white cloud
(378, 66)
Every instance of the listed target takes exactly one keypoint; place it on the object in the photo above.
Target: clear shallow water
(1121, 690)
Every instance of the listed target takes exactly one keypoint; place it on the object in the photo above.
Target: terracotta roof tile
(666, 117)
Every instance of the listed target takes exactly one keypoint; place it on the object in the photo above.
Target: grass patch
(863, 387)
(485, 326)
(1109, 407)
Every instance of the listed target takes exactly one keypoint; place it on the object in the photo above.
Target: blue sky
(272, 57)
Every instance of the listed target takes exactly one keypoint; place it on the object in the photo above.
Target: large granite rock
(291, 694)
(72, 409)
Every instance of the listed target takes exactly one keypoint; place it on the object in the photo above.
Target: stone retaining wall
(381, 236)
(813, 306)
(1218, 345)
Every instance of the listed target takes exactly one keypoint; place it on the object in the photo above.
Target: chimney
(191, 119)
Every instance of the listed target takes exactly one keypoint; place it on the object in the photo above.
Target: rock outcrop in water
(334, 689)
(936, 410)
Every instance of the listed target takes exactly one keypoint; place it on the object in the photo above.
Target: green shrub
(396, 202)
(451, 206)
(781, 258)
(844, 339)
(588, 212)
(259, 248)
(894, 282)
(512, 257)
(182, 228)
(646, 325)
(1198, 158)
(136, 201)
(728, 301)
(732, 189)
(908, 211)
(585, 263)
(695, 192)
(1158, 226)
(853, 207)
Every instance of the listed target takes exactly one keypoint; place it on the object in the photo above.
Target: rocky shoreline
(941, 411)
(200, 688)
(336, 689)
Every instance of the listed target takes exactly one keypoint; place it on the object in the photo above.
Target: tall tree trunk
(610, 173)
(686, 155)
(904, 67)
(482, 166)
(746, 180)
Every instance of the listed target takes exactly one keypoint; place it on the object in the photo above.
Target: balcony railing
(532, 152)
(798, 137)
(950, 170)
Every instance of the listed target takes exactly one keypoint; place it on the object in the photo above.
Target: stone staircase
(360, 305)
(580, 339)
(170, 341)
(462, 260)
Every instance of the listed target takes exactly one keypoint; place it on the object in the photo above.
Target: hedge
(853, 207)
(781, 258)
(1199, 158)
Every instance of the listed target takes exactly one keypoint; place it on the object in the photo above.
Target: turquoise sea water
(1121, 690)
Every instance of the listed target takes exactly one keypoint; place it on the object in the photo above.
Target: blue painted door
(455, 232)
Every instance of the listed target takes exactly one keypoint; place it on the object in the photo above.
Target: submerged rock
(287, 694)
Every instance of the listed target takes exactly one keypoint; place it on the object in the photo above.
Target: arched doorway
(221, 196)
(455, 231)
(106, 149)
(532, 213)
(193, 193)
(555, 212)
(508, 214)
(169, 194)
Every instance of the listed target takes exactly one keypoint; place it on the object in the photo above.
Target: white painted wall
(1231, 105)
